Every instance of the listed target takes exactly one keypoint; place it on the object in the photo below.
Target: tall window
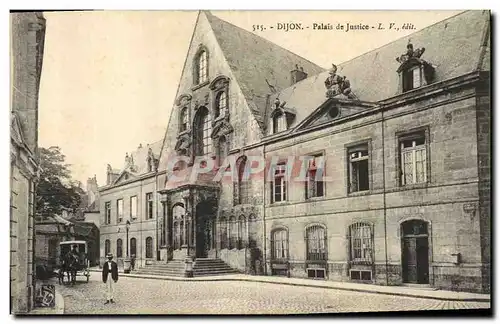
(133, 208)
(279, 183)
(119, 247)
(279, 123)
(223, 149)
(203, 132)
(149, 205)
(413, 159)
(149, 247)
(178, 226)
(316, 243)
(252, 231)
(242, 232)
(223, 233)
(233, 232)
(220, 104)
(359, 178)
(107, 212)
(133, 246)
(107, 247)
(184, 119)
(243, 183)
(119, 210)
(279, 244)
(361, 242)
(202, 71)
(314, 178)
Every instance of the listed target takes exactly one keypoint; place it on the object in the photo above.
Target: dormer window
(412, 78)
(201, 67)
(279, 123)
(413, 71)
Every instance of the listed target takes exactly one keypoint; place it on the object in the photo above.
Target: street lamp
(127, 226)
(126, 262)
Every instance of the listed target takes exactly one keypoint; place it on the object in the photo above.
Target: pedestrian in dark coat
(109, 277)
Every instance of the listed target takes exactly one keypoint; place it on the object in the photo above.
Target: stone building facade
(26, 53)
(130, 196)
(374, 171)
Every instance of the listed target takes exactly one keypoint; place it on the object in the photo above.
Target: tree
(56, 190)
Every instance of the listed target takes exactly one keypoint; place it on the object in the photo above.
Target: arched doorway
(205, 228)
(415, 251)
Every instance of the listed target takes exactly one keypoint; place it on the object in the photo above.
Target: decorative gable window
(413, 71)
(220, 104)
(184, 120)
(201, 67)
(279, 123)
(203, 127)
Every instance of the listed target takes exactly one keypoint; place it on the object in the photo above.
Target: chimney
(140, 146)
(297, 74)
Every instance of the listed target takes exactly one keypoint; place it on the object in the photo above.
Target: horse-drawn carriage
(73, 261)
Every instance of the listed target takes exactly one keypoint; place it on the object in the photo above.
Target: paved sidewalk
(429, 293)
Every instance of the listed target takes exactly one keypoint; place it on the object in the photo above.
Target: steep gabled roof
(257, 63)
(455, 46)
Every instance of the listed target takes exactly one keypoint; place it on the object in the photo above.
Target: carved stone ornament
(183, 143)
(219, 82)
(196, 104)
(222, 128)
(183, 100)
(337, 85)
(207, 98)
(410, 53)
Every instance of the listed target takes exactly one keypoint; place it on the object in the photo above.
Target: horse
(69, 265)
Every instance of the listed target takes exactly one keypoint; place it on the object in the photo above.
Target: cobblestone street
(147, 296)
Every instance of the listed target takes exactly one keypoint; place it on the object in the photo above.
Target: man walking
(109, 277)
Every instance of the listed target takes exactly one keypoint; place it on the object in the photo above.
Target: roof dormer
(413, 71)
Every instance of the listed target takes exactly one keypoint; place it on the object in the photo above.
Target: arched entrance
(415, 251)
(205, 228)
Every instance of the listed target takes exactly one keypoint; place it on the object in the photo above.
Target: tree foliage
(56, 190)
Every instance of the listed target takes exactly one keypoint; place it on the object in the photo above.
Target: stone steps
(176, 268)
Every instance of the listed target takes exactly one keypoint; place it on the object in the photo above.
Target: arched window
(279, 122)
(178, 213)
(149, 247)
(243, 182)
(107, 247)
(201, 74)
(223, 149)
(119, 248)
(233, 232)
(242, 232)
(361, 242)
(184, 119)
(203, 131)
(316, 243)
(279, 244)
(133, 246)
(220, 104)
(223, 233)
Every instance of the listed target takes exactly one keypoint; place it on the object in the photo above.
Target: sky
(109, 78)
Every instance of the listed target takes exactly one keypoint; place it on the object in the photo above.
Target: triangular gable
(125, 175)
(334, 109)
